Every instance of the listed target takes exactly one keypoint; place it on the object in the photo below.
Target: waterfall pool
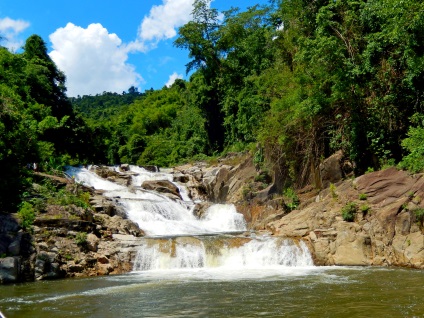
(275, 292)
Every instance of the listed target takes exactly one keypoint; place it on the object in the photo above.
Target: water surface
(265, 292)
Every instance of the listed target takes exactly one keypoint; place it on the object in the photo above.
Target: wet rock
(162, 186)
(182, 178)
(200, 209)
(9, 270)
(14, 248)
(125, 167)
(150, 168)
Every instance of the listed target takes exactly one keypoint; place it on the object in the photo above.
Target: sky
(105, 45)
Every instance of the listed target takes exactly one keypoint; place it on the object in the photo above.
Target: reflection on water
(278, 292)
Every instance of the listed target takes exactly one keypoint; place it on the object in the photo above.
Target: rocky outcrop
(163, 186)
(385, 231)
(220, 183)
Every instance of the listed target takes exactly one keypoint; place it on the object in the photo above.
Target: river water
(284, 292)
(191, 267)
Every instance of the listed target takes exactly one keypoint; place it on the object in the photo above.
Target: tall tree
(200, 37)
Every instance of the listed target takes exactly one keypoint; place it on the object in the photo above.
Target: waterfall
(177, 239)
(221, 252)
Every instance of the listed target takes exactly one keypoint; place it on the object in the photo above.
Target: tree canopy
(299, 79)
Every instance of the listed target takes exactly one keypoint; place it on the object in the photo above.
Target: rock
(8, 224)
(182, 178)
(385, 235)
(201, 208)
(150, 168)
(162, 186)
(385, 187)
(331, 170)
(92, 242)
(15, 247)
(125, 167)
(9, 270)
(102, 259)
(76, 268)
(71, 225)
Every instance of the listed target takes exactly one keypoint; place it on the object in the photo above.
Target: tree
(200, 36)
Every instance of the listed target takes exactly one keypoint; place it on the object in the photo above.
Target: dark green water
(291, 292)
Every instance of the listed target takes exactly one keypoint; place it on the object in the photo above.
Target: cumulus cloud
(93, 60)
(162, 23)
(172, 79)
(10, 29)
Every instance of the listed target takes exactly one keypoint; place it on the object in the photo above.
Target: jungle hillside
(291, 82)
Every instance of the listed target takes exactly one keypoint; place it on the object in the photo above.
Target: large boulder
(162, 186)
(385, 230)
(331, 170)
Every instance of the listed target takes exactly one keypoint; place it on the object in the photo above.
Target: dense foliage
(37, 123)
(297, 79)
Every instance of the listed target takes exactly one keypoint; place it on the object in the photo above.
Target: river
(205, 267)
(287, 292)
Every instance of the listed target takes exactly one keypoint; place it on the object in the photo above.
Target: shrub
(419, 214)
(333, 192)
(291, 199)
(81, 238)
(27, 216)
(364, 209)
(349, 211)
(414, 161)
(362, 196)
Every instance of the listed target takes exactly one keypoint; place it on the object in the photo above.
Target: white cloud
(93, 60)
(10, 29)
(162, 22)
(172, 79)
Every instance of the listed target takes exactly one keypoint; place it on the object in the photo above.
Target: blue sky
(107, 45)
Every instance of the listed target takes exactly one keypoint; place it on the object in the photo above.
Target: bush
(419, 214)
(364, 209)
(81, 238)
(349, 211)
(291, 199)
(362, 196)
(414, 161)
(27, 216)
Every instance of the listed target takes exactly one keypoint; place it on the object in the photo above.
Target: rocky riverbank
(385, 226)
(69, 241)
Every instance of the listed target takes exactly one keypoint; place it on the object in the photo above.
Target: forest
(292, 82)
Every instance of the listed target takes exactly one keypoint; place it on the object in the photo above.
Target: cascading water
(177, 239)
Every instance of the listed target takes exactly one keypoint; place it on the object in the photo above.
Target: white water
(265, 253)
(177, 241)
(158, 215)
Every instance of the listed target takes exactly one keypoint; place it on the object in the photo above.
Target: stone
(92, 242)
(162, 186)
(14, 248)
(102, 259)
(385, 235)
(331, 170)
(125, 167)
(200, 209)
(182, 178)
(9, 270)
